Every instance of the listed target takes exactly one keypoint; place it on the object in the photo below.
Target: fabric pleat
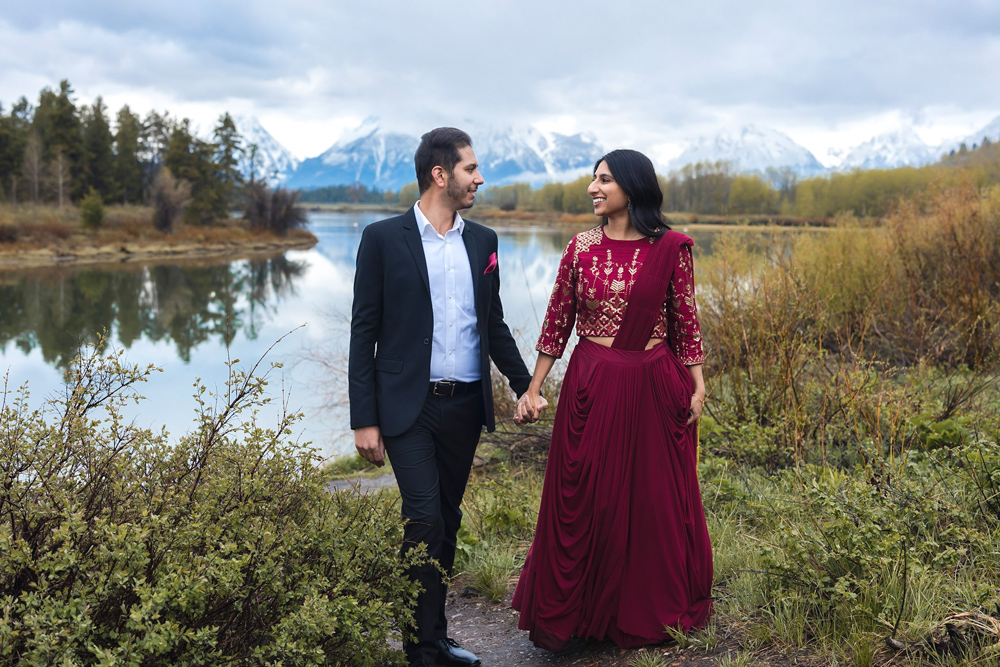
(621, 548)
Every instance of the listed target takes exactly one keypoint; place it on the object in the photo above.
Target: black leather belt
(453, 388)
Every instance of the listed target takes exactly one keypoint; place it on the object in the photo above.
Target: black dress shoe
(453, 655)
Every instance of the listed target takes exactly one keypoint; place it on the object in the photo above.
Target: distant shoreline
(23, 256)
(491, 214)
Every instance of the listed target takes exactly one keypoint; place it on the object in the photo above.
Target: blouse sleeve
(685, 332)
(561, 312)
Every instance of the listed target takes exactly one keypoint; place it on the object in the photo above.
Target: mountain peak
(272, 161)
(990, 131)
(381, 159)
(901, 147)
(750, 148)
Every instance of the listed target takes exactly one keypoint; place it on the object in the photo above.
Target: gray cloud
(630, 71)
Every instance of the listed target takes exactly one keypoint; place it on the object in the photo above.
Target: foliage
(274, 210)
(647, 658)
(889, 548)
(409, 194)
(122, 547)
(499, 514)
(57, 151)
(836, 341)
(171, 198)
(354, 194)
(92, 210)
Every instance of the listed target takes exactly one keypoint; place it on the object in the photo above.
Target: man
(426, 321)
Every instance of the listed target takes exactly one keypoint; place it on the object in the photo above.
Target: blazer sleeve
(503, 348)
(366, 319)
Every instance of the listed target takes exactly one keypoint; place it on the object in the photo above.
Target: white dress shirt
(455, 348)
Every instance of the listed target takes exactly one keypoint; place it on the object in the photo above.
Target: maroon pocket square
(492, 266)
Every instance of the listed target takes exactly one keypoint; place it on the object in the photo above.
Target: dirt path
(489, 629)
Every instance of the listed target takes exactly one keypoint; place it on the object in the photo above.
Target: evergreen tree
(193, 160)
(14, 130)
(98, 171)
(229, 151)
(58, 127)
(128, 166)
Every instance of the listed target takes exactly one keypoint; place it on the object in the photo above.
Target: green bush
(891, 548)
(92, 210)
(119, 546)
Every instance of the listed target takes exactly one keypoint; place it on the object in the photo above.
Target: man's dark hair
(438, 148)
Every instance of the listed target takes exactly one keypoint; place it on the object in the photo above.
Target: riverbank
(45, 236)
(675, 220)
(492, 215)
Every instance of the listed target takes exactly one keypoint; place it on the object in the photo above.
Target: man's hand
(530, 408)
(368, 442)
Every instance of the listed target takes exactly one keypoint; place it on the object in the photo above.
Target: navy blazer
(392, 324)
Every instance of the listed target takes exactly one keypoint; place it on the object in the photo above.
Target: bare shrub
(826, 347)
(171, 197)
(286, 214)
(273, 210)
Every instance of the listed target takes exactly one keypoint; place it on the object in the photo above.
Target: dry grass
(128, 228)
(818, 347)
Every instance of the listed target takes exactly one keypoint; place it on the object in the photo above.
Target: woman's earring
(630, 206)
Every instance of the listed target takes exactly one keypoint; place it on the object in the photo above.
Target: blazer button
(427, 341)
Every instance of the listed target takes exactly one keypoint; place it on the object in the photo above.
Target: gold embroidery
(594, 287)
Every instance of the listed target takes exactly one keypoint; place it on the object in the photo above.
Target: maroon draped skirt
(621, 548)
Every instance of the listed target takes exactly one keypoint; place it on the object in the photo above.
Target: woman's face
(608, 196)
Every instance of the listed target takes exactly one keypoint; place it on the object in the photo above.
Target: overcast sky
(651, 75)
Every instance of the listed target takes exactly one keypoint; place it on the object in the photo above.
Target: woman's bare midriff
(606, 341)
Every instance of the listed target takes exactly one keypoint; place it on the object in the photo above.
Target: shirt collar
(458, 225)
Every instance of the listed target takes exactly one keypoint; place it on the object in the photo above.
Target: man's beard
(457, 194)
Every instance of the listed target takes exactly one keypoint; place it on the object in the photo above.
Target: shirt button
(452, 324)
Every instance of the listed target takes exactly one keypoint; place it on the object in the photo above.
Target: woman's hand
(697, 405)
(529, 407)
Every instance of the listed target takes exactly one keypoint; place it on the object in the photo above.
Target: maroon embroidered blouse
(595, 278)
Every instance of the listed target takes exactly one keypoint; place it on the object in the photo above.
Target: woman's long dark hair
(635, 173)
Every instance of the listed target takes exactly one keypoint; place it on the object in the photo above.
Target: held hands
(368, 442)
(697, 405)
(530, 407)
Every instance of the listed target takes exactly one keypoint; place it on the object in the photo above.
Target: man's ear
(439, 176)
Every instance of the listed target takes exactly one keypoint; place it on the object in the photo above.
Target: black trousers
(431, 461)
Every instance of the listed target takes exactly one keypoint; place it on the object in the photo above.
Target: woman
(621, 549)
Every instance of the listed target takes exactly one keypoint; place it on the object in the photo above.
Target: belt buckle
(448, 386)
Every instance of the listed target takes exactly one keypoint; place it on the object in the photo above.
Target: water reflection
(58, 310)
(190, 317)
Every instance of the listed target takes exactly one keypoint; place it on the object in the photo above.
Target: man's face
(465, 179)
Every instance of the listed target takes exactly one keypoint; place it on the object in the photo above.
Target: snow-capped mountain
(568, 153)
(900, 148)
(751, 149)
(270, 160)
(524, 154)
(382, 159)
(366, 155)
(991, 131)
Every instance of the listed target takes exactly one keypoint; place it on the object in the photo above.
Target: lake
(189, 317)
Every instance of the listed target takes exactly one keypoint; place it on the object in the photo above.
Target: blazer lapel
(412, 235)
(474, 264)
